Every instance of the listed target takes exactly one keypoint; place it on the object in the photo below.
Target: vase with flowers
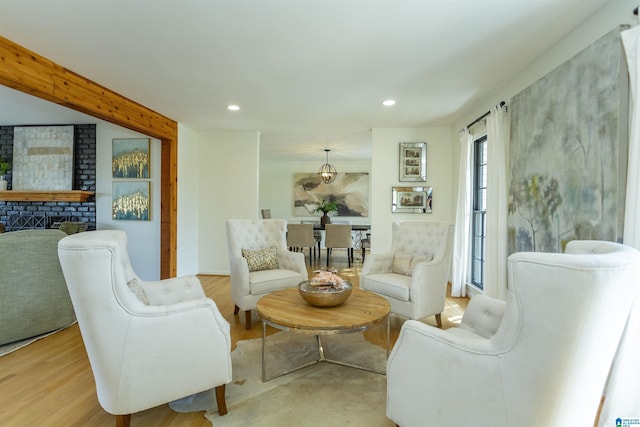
(325, 207)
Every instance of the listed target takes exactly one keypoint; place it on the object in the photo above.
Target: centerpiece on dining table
(325, 289)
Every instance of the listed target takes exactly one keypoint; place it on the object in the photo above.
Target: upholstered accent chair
(148, 342)
(413, 274)
(544, 362)
(300, 236)
(260, 262)
(338, 236)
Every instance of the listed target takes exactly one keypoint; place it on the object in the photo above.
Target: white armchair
(267, 264)
(148, 343)
(413, 275)
(544, 363)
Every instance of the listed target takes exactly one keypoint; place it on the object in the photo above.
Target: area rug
(319, 395)
(17, 345)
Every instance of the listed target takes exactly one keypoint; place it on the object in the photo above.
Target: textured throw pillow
(138, 291)
(404, 263)
(401, 263)
(261, 259)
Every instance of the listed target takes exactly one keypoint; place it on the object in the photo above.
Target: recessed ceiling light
(389, 102)
(233, 107)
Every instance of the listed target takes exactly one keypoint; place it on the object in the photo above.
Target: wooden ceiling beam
(26, 71)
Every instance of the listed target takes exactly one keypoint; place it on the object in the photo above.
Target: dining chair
(338, 236)
(266, 213)
(317, 234)
(300, 236)
(365, 244)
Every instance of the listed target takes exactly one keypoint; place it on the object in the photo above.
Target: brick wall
(84, 179)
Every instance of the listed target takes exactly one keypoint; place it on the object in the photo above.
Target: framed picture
(130, 200)
(43, 158)
(411, 199)
(413, 161)
(130, 158)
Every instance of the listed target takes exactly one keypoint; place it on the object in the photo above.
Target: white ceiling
(306, 74)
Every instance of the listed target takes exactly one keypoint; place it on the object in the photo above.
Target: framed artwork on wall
(130, 200)
(413, 161)
(130, 158)
(43, 158)
(411, 199)
(350, 191)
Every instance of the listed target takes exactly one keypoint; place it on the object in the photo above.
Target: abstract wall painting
(130, 158)
(568, 152)
(43, 158)
(130, 200)
(350, 191)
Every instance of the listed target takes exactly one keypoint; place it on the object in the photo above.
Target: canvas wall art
(43, 158)
(130, 200)
(130, 158)
(350, 191)
(568, 152)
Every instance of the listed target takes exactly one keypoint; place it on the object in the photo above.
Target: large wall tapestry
(568, 152)
(42, 158)
(350, 191)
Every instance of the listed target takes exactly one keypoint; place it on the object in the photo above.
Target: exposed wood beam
(28, 72)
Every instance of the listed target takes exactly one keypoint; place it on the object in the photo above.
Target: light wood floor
(49, 383)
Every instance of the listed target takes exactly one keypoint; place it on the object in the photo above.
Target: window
(478, 215)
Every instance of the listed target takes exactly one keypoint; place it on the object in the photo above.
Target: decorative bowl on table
(325, 289)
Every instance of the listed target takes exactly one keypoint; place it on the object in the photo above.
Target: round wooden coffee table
(286, 310)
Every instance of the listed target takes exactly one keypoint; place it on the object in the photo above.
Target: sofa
(33, 293)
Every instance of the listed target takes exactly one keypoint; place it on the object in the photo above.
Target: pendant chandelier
(327, 171)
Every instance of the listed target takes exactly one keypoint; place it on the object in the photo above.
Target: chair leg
(236, 309)
(328, 255)
(439, 320)
(123, 420)
(247, 320)
(220, 400)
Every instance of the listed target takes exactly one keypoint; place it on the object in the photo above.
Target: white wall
(188, 212)
(276, 186)
(385, 175)
(143, 236)
(228, 169)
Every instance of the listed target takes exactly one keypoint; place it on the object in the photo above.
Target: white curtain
(632, 204)
(495, 266)
(622, 397)
(463, 216)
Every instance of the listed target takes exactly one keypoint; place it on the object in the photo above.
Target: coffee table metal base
(321, 356)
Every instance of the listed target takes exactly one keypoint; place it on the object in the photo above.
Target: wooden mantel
(45, 196)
